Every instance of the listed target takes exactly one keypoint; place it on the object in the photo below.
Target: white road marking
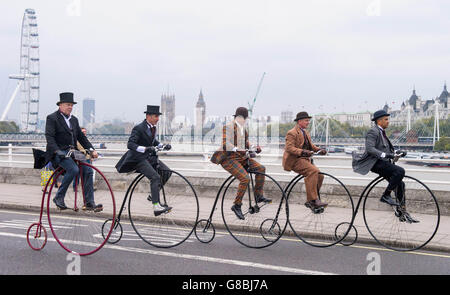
(295, 240)
(193, 257)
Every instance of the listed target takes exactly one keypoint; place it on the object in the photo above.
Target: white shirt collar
(70, 116)
(67, 119)
(241, 128)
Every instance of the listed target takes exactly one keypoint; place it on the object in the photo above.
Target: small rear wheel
(270, 230)
(37, 236)
(205, 231)
(116, 233)
(350, 237)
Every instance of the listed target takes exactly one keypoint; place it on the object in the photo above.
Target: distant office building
(168, 113)
(88, 112)
(287, 117)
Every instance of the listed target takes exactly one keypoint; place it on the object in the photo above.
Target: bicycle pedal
(318, 210)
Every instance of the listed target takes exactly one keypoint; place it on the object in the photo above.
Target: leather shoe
(389, 200)
(315, 204)
(262, 199)
(60, 204)
(93, 207)
(238, 211)
(158, 209)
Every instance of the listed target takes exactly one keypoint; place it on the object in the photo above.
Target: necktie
(153, 129)
(387, 139)
(306, 141)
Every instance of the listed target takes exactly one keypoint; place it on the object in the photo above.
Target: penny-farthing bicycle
(264, 223)
(164, 231)
(77, 229)
(407, 227)
(320, 227)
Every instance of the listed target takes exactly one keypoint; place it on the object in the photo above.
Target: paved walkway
(29, 197)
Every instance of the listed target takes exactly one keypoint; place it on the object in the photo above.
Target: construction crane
(252, 105)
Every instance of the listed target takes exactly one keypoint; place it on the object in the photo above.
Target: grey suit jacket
(376, 145)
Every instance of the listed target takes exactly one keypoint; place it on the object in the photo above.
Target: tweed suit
(293, 160)
(235, 162)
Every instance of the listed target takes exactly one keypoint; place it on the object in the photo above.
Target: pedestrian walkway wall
(209, 186)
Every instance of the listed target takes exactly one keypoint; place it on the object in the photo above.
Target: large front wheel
(325, 227)
(407, 227)
(170, 229)
(264, 223)
(79, 229)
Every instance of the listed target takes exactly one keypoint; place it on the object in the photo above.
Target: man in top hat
(377, 158)
(232, 157)
(62, 132)
(297, 157)
(141, 157)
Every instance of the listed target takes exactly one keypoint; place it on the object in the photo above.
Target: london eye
(28, 85)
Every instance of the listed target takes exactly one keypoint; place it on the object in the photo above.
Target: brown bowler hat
(242, 112)
(302, 115)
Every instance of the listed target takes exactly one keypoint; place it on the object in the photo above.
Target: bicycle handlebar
(162, 147)
(399, 154)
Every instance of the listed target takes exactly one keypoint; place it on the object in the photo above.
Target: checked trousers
(236, 167)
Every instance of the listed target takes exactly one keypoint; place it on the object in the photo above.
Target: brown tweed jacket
(293, 149)
(231, 137)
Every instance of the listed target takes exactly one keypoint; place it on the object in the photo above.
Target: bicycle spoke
(319, 228)
(168, 229)
(398, 233)
(264, 223)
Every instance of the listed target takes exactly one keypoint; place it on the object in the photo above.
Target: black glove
(151, 149)
(60, 154)
(390, 156)
(167, 147)
(401, 153)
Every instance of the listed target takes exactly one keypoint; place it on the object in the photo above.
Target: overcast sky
(320, 56)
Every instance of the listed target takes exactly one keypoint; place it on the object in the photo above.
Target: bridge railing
(11, 156)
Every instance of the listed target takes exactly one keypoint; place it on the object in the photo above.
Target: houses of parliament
(168, 103)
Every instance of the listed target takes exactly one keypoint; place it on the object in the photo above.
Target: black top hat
(66, 97)
(379, 114)
(241, 112)
(153, 110)
(302, 115)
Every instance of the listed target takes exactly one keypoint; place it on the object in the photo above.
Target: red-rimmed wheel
(37, 236)
(78, 229)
